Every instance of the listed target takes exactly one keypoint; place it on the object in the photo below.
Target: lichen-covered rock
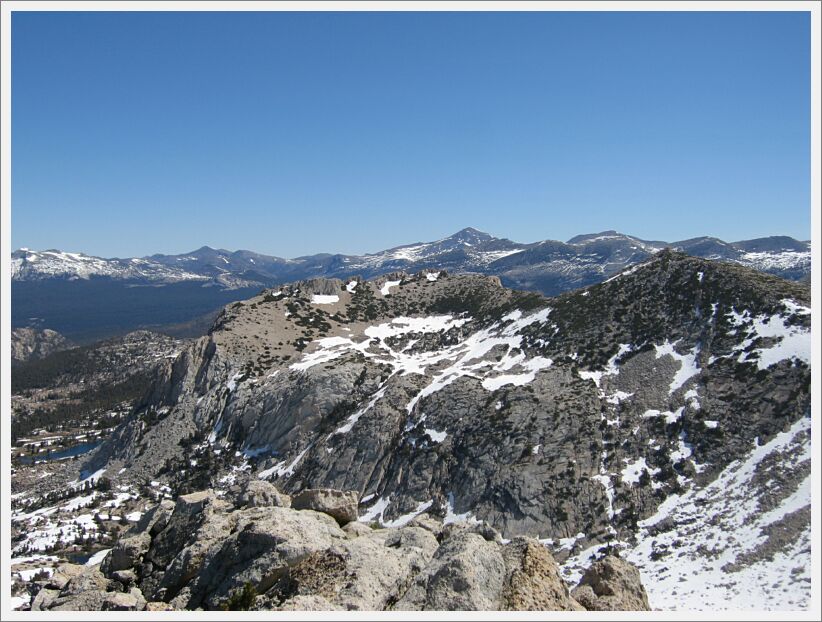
(63, 574)
(427, 522)
(466, 573)
(193, 503)
(611, 584)
(159, 606)
(44, 599)
(534, 582)
(89, 580)
(131, 601)
(366, 573)
(261, 546)
(309, 602)
(125, 577)
(185, 552)
(98, 600)
(342, 505)
(91, 600)
(355, 529)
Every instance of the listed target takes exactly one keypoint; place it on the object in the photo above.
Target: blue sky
(296, 133)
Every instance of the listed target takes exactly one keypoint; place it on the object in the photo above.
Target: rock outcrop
(258, 493)
(29, 344)
(611, 584)
(87, 589)
(341, 505)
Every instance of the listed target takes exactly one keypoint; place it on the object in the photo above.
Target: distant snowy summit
(550, 266)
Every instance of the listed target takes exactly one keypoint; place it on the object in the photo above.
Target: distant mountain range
(84, 296)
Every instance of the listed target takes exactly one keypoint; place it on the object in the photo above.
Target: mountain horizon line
(462, 233)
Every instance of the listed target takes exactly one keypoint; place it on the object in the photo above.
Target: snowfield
(718, 557)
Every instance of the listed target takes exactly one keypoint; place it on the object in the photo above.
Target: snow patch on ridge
(321, 299)
(789, 342)
(687, 364)
(634, 469)
(386, 289)
(611, 368)
(453, 517)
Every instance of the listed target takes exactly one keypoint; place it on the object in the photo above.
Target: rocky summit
(437, 441)
(205, 552)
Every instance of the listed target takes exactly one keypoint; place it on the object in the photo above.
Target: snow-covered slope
(741, 542)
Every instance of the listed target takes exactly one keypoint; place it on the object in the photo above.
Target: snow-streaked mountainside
(664, 412)
(549, 266)
(28, 265)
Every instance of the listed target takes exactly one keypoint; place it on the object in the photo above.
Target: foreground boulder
(63, 574)
(341, 505)
(249, 553)
(127, 553)
(262, 546)
(474, 570)
(611, 584)
(534, 582)
(87, 589)
(258, 493)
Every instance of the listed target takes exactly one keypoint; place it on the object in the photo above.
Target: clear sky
(290, 133)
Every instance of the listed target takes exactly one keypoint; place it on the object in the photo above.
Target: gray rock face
(341, 505)
(308, 603)
(264, 544)
(454, 396)
(611, 584)
(193, 504)
(159, 606)
(382, 564)
(155, 519)
(127, 553)
(87, 581)
(44, 599)
(467, 573)
(178, 552)
(100, 601)
(29, 344)
(471, 571)
(355, 529)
